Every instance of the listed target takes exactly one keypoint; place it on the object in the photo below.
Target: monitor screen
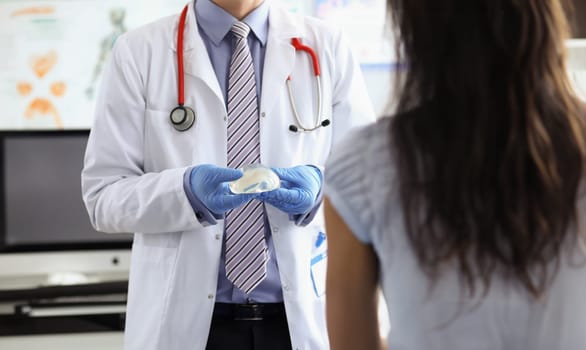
(42, 207)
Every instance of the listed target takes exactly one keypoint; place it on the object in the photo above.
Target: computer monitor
(45, 230)
(41, 203)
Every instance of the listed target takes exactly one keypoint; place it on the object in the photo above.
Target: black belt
(249, 312)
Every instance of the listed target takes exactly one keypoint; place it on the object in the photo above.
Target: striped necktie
(246, 250)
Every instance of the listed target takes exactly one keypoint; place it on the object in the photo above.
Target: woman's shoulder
(365, 138)
(359, 156)
(369, 149)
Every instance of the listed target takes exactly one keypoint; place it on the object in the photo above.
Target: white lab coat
(135, 161)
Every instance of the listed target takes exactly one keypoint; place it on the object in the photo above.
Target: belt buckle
(248, 312)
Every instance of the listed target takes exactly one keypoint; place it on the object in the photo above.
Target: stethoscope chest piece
(182, 118)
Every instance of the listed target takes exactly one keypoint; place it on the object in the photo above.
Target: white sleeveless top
(361, 185)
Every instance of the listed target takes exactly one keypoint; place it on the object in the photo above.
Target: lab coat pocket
(166, 147)
(152, 271)
(157, 247)
(318, 264)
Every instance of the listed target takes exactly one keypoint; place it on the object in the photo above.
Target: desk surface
(86, 341)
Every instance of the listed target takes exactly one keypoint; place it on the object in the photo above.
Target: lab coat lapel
(279, 56)
(196, 61)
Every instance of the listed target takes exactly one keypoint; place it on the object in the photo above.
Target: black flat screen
(42, 208)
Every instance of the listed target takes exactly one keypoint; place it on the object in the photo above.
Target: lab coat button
(286, 287)
(262, 114)
(218, 236)
(275, 229)
(210, 296)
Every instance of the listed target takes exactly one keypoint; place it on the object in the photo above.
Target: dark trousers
(234, 330)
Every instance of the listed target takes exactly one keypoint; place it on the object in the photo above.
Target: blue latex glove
(210, 184)
(300, 186)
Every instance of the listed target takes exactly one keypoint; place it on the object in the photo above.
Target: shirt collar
(216, 22)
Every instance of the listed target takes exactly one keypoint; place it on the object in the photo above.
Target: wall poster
(53, 51)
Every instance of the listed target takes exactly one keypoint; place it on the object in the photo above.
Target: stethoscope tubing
(182, 117)
(296, 43)
(180, 80)
(294, 108)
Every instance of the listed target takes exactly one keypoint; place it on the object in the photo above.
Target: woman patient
(468, 207)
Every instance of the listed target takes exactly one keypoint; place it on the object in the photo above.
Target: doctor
(229, 75)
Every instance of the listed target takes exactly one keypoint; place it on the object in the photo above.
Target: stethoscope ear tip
(325, 122)
(293, 128)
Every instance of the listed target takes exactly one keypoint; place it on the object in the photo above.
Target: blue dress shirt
(214, 25)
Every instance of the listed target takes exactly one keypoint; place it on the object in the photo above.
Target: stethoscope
(183, 117)
(296, 42)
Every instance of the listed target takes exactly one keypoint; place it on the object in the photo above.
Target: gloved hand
(300, 186)
(209, 184)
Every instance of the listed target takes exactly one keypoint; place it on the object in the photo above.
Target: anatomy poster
(53, 55)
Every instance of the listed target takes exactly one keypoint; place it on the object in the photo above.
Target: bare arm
(351, 284)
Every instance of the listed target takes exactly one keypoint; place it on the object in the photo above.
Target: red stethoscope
(182, 117)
